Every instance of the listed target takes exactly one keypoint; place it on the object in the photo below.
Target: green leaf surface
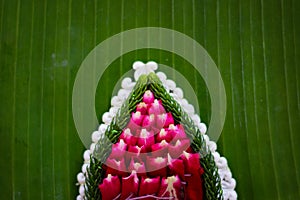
(255, 44)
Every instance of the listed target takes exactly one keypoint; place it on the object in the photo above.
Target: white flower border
(227, 181)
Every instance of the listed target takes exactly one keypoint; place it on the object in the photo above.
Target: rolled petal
(146, 139)
(177, 132)
(136, 120)
(191, 162)
(149, 186)
(111, 184)
(128, 138)
(170, 187)
(176, 166)
(135, 152)
(149, 122)
(177, 149)
(157, 166)
(164, 120)
(156, 108)
(160, 149)
(142, 108)
(118, 149)
(148, 97)
(130, 186)
(116, 167)
(138, 166)
(164, 135)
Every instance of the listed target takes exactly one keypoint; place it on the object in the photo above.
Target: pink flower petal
(164, 120)
(136, 120)
(130, 186)
(156, 108)
(149, 121)
(148, 97)
(170, 187)
(177, 131)
(138, 166)
(149, 186)
(156, 166)
(177, 149)
(142, 108)
(111, 184)
(160, 149)
(146, 139)
(128, 138)
(118, 149)
(164, 135)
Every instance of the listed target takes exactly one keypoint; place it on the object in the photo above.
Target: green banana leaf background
(255, 44)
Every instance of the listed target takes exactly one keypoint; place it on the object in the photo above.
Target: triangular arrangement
(151, 149)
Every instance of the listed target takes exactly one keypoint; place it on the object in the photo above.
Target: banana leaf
(255, 44)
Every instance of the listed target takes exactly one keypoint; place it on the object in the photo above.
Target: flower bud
(149, 122)
(135, 152)
(176, 166)
(164, 120)
(148, 97)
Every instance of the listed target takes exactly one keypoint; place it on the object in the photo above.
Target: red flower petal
(176, 166)
(157, 166)
(116, 167)
(135, 152)
(194, 189)
(130, 186)
(111, 184)
(149, 186)
(191, 162)
(148, 97)
(170, 187)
